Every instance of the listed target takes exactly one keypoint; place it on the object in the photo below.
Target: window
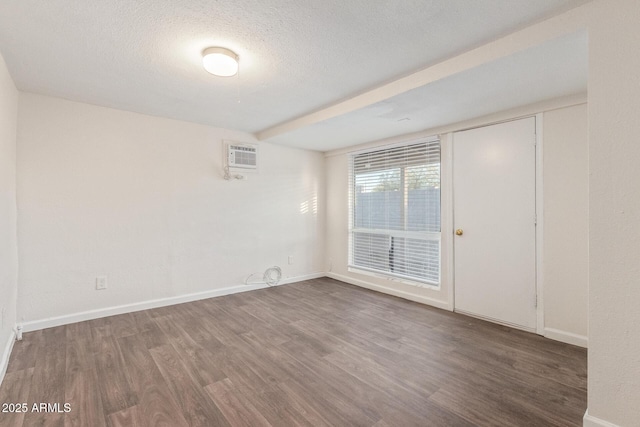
(395, 211)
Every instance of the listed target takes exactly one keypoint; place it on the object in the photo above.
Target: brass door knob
(459, 232)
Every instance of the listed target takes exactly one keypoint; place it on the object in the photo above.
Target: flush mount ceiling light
(220, 61)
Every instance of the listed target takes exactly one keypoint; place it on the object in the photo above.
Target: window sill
(435, 287)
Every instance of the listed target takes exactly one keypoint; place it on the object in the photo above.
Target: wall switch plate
(290, 259)
(101, 283)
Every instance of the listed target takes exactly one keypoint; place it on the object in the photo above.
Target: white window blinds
(395, 211)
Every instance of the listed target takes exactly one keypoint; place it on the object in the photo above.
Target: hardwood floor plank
(152, 336)
(350, 398)
(225, 332)
(80, 330)
(48, 381)
(80, 387)
(194, 324)
(129, 417)
(303, 407)
(155, 402)
(100, 330)
(375, 376)
(123, 325)
(401, 365)
(273, 407)
(481, 408)
(224, 322)
(179, 332)
(54, 336)
(238, 410)
(276, 365)
(202, 360)
(25, 353)
(528, 362)
(197, 408)
(277, 307)
(336, 409)
(15, 389)
(207, 366)
(397, 414)
(115, 385)
(248, 377)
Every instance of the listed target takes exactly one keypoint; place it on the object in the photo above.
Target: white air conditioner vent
(242, 156)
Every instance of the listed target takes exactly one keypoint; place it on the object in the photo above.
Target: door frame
(539, 225)
(448, 190)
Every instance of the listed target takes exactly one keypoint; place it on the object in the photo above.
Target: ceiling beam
(566, 23)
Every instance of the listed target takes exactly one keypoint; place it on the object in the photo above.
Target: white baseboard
(566, 337)
(589, 421)
(296, 279)
(6, 354)
(402, 294)
(51, 322)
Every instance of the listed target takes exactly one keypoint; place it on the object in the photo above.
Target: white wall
(8, 236)
(614, 214)
(565, 193)
(566, 223)
(141, 199)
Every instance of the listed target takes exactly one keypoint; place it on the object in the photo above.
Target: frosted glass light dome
(220, 61)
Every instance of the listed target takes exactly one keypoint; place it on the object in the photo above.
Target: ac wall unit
(242, 156)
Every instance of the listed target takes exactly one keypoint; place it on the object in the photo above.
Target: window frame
(428, 236)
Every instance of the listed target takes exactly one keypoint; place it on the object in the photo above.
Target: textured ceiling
(296, 56)
(555, 69)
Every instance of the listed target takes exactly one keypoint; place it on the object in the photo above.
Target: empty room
(276, 213)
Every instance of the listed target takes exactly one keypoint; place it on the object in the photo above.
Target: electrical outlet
(101, 283)
(290, 259)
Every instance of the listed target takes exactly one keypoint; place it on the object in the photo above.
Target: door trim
(539, 224)
(446, 212)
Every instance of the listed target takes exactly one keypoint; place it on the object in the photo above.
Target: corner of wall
(6, 355)
(590, 421)
(8, 225)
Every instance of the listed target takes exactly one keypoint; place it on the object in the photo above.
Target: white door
(494, 209)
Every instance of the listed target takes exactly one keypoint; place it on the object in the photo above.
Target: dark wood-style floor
(315, 353)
